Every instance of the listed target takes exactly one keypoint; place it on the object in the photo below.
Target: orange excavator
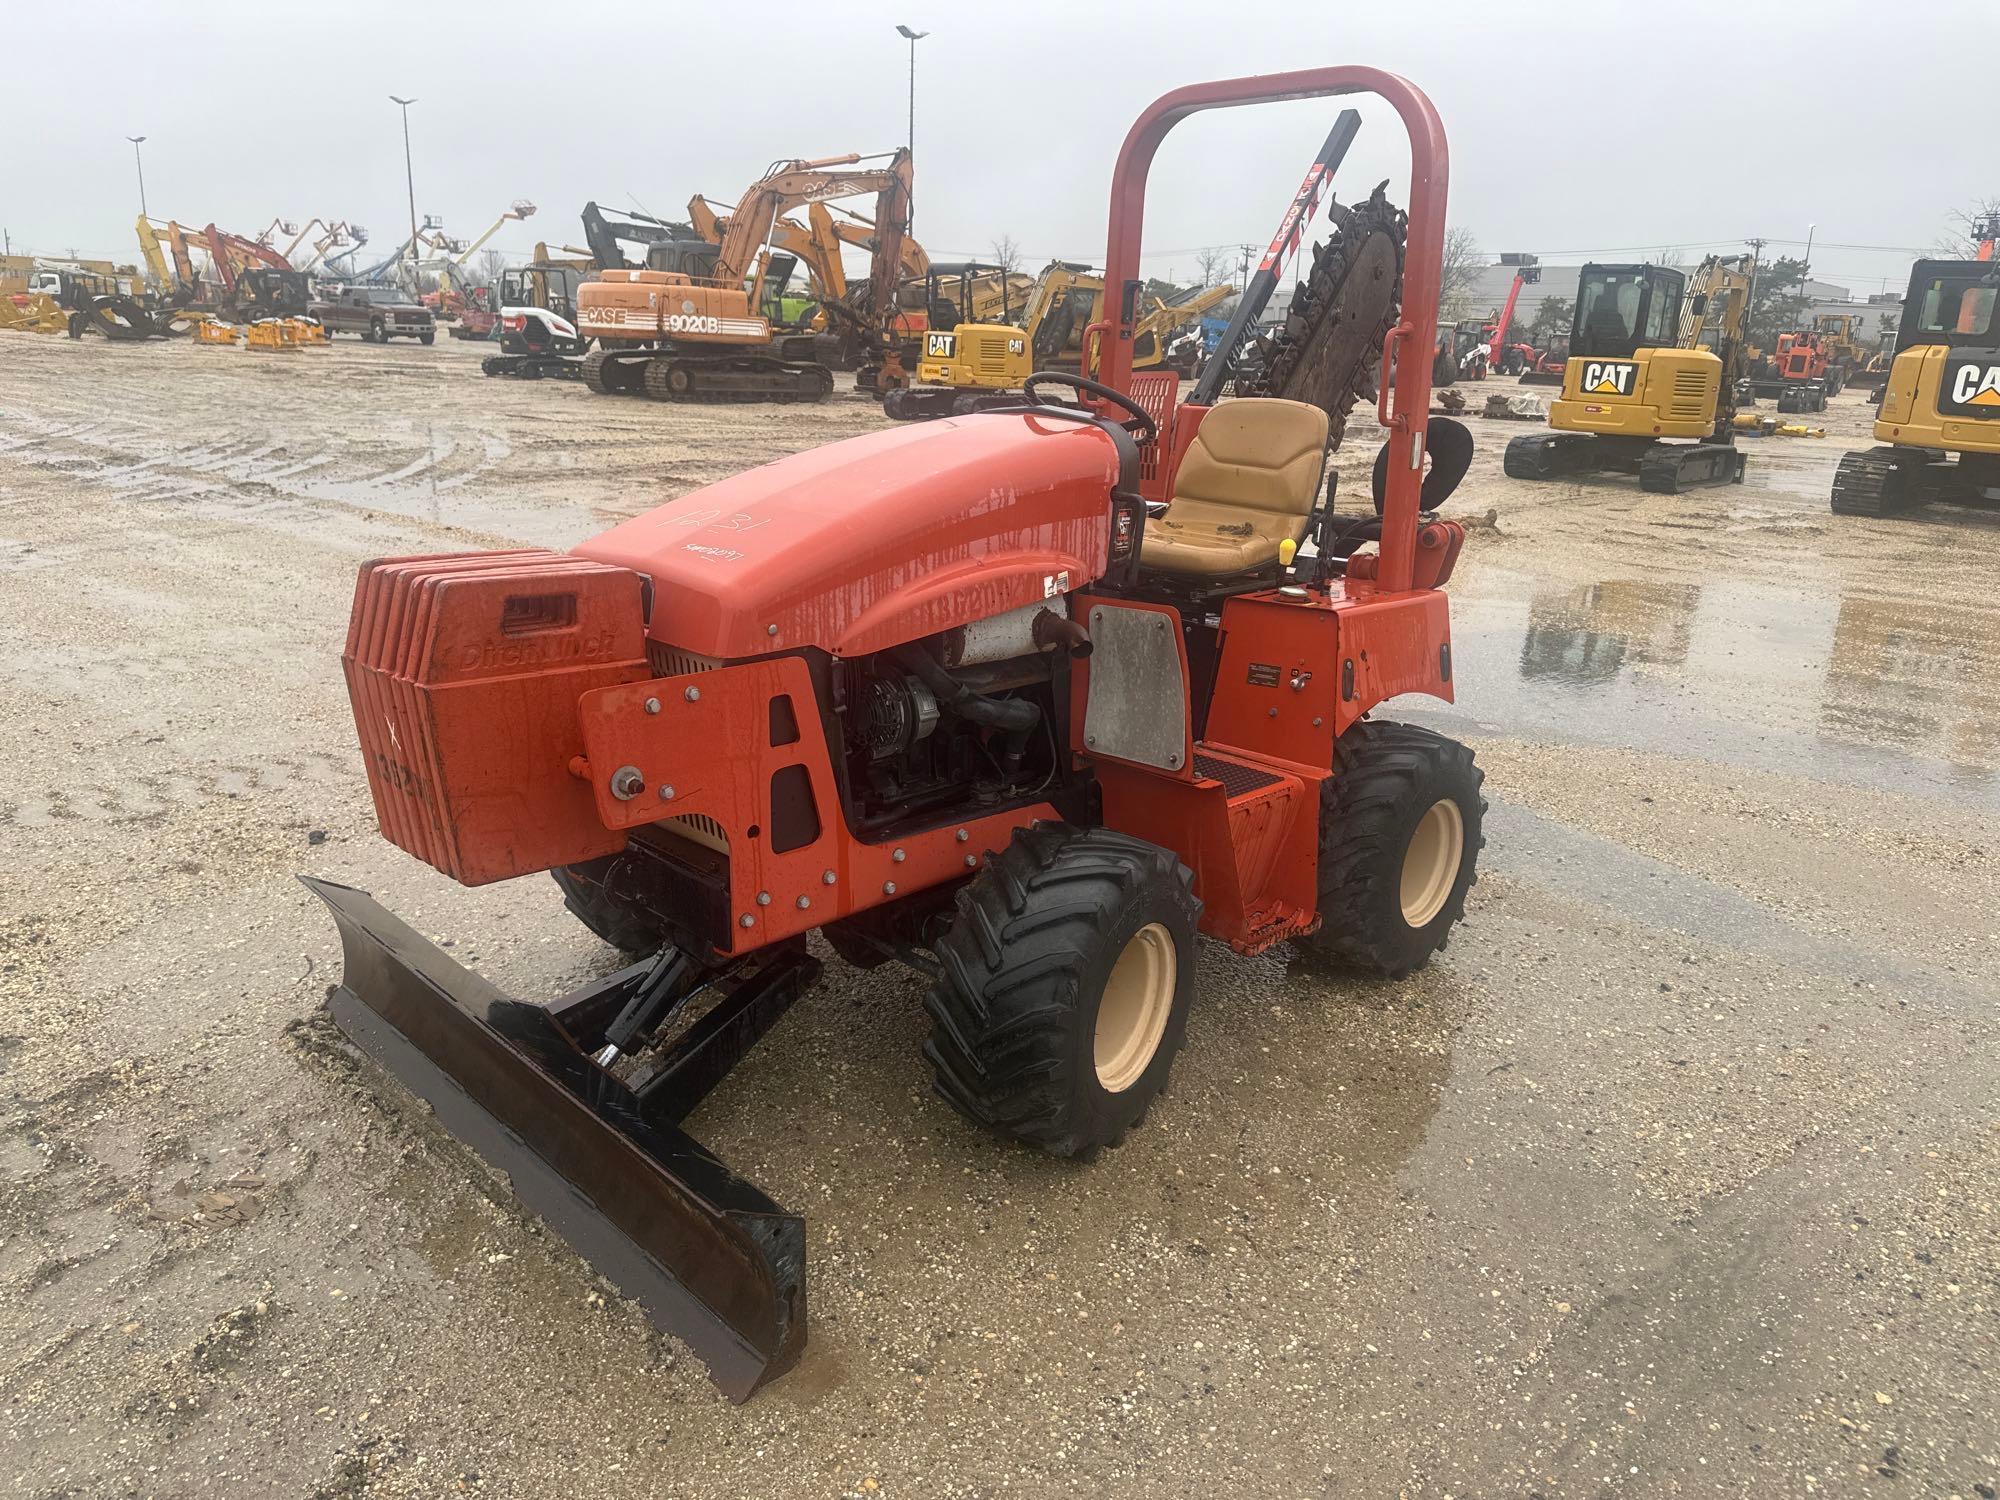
(257, 281)
(858, 335)
(247, 278)
(689, 325)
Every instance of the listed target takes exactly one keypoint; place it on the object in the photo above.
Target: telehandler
(1940, 418)
(1025, 699)
(1649, 363)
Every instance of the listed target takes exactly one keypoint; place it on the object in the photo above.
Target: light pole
(139, 162)
(910, 139)
(409, 177)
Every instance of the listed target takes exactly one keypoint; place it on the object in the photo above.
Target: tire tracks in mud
(334, 435)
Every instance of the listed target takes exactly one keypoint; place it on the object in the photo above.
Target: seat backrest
(1256, 454)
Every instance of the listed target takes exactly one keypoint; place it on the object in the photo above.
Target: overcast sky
(1605, 128)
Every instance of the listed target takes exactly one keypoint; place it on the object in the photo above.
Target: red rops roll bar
(1407, 415)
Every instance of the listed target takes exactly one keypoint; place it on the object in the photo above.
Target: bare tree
(1970, 227)
(1007, 254)
(1217, 263)
(1458, 274)
(487, 266)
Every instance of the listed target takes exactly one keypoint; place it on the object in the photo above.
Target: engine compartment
(957, 723)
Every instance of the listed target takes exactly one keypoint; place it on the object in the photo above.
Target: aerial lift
(468, 308)
(1505, 358)
(520, 209)
(1651, 363)
(1939, 425)
(689, 330)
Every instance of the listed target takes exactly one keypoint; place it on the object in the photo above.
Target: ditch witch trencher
(1025, 699)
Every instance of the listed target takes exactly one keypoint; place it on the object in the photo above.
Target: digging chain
(1330, 346)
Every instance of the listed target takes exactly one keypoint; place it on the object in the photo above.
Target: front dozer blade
(708, 1255)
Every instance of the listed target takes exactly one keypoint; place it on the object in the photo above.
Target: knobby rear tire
(1387, 779)
(1025, 967)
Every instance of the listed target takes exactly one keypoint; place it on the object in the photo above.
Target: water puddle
(1746, 672)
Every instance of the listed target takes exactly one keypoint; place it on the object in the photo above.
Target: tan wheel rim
(1430, 864)
(1132, 1013)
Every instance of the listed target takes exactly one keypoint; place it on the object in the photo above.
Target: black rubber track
(621, 925)
(1014, 1009)
(1873, 483)
(1666, 469)
(1386, 776)
(608, 375)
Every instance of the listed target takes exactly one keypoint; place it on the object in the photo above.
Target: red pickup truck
(378, 313)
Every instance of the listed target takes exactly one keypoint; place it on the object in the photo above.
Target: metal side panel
(1137, 707)
(711, 1258)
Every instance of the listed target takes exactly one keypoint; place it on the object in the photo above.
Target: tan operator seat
(1246, 483)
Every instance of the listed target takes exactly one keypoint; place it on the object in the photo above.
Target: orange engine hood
(877, 540)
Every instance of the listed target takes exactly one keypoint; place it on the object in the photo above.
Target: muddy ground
(1675, 1175)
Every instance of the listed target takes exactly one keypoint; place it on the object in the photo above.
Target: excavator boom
(786, 186)
(156, 260)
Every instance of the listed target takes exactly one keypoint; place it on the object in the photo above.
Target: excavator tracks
(1330, 345)
(1888, 481)
(663, 375)
(1663, 468)
(1547, 455)
(612, 372)
(1872, 483)
(735, 379)
(1669, 468)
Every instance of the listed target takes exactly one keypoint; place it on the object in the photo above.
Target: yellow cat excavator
(1653, 361)
(1940, 418)
(978, 359)
(686, 327)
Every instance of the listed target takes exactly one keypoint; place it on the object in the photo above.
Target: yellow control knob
(1287, 550)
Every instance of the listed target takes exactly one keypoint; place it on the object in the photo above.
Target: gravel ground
(1676, 1175)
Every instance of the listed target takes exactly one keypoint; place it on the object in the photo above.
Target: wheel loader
(1649, 365)
(1028, 700)
(1939, 426)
